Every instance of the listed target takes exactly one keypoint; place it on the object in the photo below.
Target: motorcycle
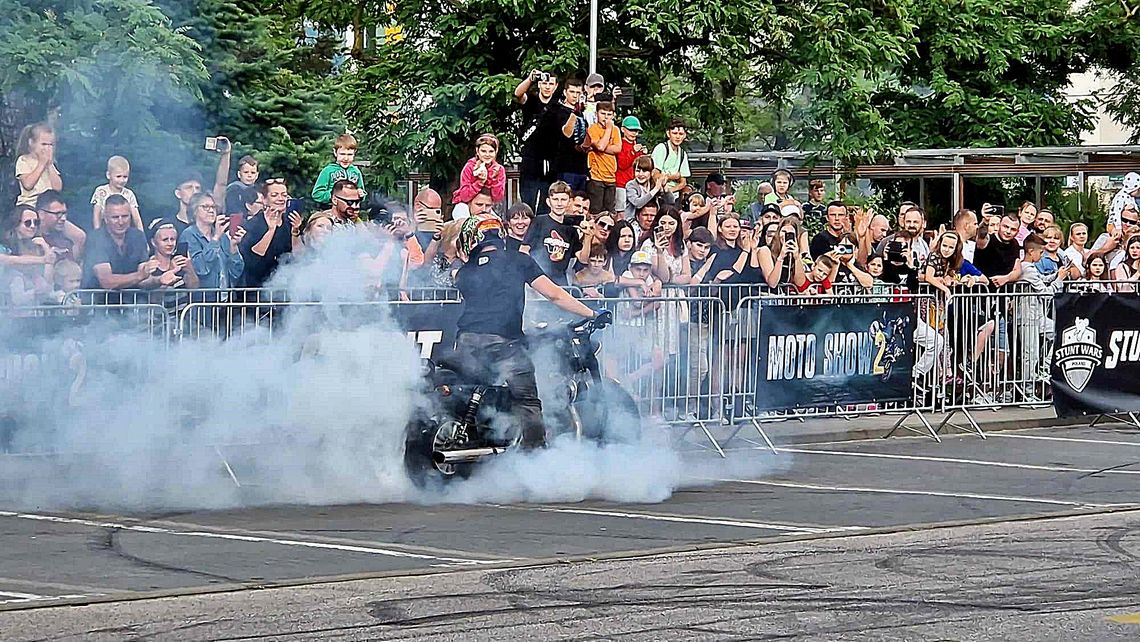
(461, 425)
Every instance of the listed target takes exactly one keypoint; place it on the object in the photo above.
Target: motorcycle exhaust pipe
(464, 456)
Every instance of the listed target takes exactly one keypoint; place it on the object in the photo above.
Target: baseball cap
(595, 79)
(771, 207)
(631, 122)
(640, 257)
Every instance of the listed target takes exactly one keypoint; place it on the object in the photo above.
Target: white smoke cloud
(312, 411)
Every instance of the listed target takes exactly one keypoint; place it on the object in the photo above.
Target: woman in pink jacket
(481, 172)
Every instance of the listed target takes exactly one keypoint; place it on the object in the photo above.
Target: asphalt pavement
(1029, 534)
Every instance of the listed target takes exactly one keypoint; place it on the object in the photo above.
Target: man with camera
(912, 225)
(536, 137)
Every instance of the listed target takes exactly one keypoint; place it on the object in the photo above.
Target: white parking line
(952, 460)
(372, 550)
(685, 519)
(1106, 442)
(19, 598)
(929, 493)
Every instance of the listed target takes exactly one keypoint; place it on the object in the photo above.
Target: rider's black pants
(509, 361)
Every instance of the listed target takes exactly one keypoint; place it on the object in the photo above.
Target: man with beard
(1044, 219)
(536, 136)
(912, 225)
(345, 206)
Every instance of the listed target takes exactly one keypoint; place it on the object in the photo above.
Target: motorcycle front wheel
(608, 414)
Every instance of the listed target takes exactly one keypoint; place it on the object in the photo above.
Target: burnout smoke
(312, 411)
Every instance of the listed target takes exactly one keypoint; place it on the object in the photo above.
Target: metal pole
(593, 36)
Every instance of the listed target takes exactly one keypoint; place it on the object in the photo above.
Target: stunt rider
(491, 282)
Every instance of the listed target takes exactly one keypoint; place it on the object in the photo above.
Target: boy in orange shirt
(605, 143)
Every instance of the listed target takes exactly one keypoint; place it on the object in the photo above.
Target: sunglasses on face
(604, 225)
(1130, 221)
(31, 223)
(353, 202)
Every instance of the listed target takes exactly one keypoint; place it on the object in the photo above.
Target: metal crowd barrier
(690, 354)
(746, 367)
(22, 325)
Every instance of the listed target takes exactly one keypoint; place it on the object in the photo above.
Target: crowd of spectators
(599, 211)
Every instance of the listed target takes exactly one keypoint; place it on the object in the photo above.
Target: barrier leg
(227, 466)
(712, 440)
(926, 424)
(975, 427)
(763, 435)
(1095, 421)
(1135, 421)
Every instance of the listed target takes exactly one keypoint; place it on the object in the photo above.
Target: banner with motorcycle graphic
(1096, 359)
(834, 354)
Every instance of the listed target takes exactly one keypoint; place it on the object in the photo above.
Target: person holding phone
(213, 248)
(171, 260)
(269, 236)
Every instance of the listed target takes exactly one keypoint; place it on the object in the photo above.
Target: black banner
(431, 325)
(1096, 357)
(834, 354)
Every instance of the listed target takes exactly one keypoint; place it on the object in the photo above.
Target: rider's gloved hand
(603, 318)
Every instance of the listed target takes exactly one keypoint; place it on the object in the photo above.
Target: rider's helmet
(479, 230)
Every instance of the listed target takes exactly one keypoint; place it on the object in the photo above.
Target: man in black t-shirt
(536, 137)
(493, 284)
(552, 239)
(999, 255)
(836, 229)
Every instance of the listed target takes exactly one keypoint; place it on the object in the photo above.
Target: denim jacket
(211, 258)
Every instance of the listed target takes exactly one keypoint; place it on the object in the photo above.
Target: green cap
(631, 122)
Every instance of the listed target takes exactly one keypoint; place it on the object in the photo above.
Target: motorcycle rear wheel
(423, 439)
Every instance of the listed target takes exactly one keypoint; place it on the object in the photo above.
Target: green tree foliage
(111, 75)
(1111, 41)
(987, 73)
(269, 88)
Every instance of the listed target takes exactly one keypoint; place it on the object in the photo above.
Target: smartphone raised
(236, 221)
(997, 210)
(293, 206)
(182, 249)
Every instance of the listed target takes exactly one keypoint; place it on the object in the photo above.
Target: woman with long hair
(26, 260)
(1129, 268)
(780, 259)
(667, 247)
(1096, 273)
(621, 245)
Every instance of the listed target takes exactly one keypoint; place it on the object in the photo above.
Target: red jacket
(470, 185)
(625, 160)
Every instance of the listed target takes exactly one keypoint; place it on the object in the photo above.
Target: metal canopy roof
(939, 163)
